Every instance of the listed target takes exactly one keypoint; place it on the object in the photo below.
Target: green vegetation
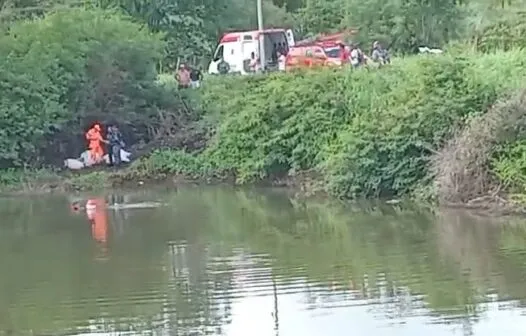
(364, 133)
(63, 72)
(353, 134)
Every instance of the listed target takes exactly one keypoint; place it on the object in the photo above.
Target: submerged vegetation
(444, 126)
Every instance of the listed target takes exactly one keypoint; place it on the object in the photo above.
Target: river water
(236, 263)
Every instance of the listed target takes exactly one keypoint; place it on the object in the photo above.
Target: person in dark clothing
(115, 144)
(196, 77)
(275, 55)
(109, 146)
(380, 55)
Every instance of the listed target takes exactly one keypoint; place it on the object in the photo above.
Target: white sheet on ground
(85, 160)
(424, 50)
(73, 164)
(85, 157)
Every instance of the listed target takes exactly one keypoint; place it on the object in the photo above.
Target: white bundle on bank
(86, 161)
(73, 164)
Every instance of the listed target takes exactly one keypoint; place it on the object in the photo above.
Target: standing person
(275, 53)
(282, 61)
(183, 77)
(115, 145)
(95, 139)
(109, 130)
(379, 54)
(344, 54)
(254, 62)
(355, 56)
(362, 57)
(195, 78)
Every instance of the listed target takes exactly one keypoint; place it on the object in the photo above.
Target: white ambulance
(235, 50)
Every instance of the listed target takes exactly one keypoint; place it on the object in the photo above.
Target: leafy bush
(161, 163)
(61, 73)
(461, 169)
(370, 133)
(505, 33)
(509, 166)
(507, 162)
(269, 125)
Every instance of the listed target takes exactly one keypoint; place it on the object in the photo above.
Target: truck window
(219, 53)
(333, 52)
(318, 53)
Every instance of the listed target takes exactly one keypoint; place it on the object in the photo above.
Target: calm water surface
(238, 263)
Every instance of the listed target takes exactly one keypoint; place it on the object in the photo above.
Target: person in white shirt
(355, 57)
(254, 62)
(282, 60)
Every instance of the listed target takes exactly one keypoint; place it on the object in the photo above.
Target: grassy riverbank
(389, 132)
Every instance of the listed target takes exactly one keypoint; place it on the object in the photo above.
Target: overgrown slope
(367, 133)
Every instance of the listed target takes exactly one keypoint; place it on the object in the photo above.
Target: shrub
(461, 169)
(509, 166)
(370, 133)
(504, 34)
(61, 73)
(275, 123)
(367, 133)
(384, 150)
(160, 163)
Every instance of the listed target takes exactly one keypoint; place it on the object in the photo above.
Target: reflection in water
(96, 212)
(232, 263)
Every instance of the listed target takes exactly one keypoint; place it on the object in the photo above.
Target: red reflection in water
(96, 212)
(97, 215)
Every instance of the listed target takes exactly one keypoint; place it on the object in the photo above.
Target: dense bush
(474, 161)
(369, 133)
(59, 74)
(506, 33)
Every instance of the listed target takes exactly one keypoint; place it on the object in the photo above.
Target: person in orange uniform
(96, 212)
(94, 136)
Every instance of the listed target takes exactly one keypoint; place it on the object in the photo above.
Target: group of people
(188, 77)
(356, 57)
(114, 142)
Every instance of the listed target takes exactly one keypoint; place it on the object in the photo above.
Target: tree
(73, 67)
(401, 25)
(191, 29)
